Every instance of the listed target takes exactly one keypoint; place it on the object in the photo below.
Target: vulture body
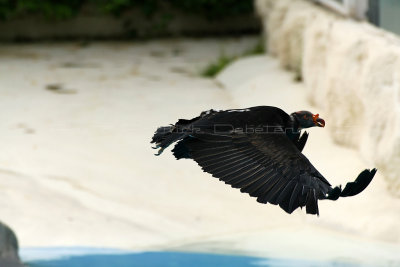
(258, 150)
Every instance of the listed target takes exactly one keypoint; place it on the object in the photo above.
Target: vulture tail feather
(353, 188)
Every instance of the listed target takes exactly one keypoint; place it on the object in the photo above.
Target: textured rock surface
(10, 263)
(8, 247)
(351, 69)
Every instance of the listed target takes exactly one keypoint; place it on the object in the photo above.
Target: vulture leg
(334, 194)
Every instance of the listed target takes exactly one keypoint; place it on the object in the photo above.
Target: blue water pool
(83, 257)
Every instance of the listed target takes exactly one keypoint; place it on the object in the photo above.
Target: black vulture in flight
(258, 150)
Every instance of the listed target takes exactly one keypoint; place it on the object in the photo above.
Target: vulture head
(306, 119)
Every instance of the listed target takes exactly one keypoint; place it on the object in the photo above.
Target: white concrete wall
(352, 73)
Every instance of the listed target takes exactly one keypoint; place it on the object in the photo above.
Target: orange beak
(318, 121)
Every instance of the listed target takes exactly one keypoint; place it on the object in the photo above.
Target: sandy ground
(76, 167)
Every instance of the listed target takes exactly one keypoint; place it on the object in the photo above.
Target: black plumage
(259, 151)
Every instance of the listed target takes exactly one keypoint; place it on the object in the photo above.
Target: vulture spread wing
(268, 166)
